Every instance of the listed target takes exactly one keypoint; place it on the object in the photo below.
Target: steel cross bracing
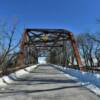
(36, 40)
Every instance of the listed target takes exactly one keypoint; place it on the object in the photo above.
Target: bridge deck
(46, 83)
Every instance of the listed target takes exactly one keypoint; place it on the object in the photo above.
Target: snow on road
(44, 83)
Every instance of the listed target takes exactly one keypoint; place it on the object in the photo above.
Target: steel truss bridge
(40, 42)
(48, 81)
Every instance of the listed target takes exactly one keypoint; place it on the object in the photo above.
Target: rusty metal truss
(37, 40)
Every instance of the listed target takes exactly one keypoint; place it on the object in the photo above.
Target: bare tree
(97, 55)
(86, 47)
(95, 37)
(6, 46)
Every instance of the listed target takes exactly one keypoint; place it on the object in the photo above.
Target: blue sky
(74, 15)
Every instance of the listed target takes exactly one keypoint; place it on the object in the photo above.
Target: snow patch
(13, 76)
(89, 80)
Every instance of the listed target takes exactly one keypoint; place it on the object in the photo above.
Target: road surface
(46, 83)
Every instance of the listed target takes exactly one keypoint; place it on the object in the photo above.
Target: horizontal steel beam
(49, 30)
(50, 46)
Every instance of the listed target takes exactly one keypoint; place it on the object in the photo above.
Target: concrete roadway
(46, 83)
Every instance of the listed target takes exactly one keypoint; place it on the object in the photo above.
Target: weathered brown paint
(22, 45)
(75, 49)
(70, 36)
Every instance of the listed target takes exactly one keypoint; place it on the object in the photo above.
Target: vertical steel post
(64, 53)
(21, 58)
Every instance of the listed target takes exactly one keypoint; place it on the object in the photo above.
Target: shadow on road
(40, 80)
(41, 90)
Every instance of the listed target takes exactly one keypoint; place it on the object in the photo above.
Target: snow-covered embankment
(18, 74)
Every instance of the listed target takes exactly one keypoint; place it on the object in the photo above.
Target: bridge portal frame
(60, 35)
